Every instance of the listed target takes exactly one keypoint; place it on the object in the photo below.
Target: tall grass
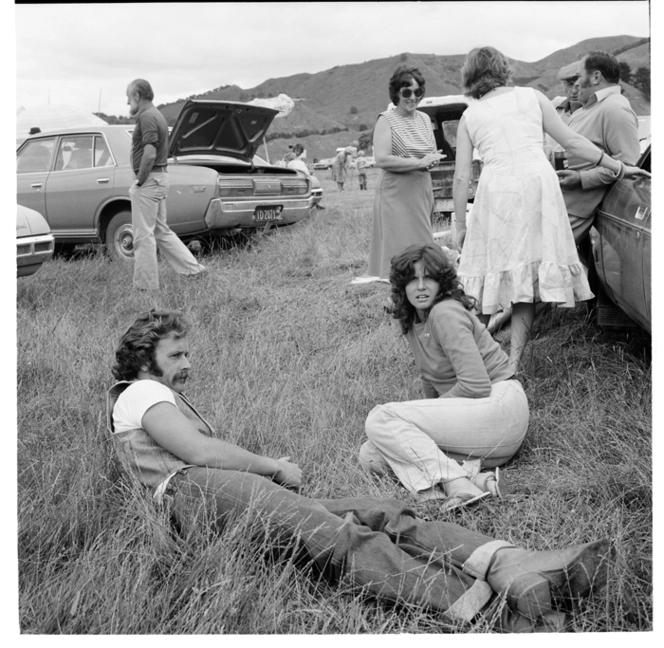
(288, 359)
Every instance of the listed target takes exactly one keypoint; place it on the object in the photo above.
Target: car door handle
(102, 180)
(37, 185)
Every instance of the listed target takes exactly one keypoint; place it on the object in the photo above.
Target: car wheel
(120, 237)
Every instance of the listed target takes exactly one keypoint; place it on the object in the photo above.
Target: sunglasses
(407, 92)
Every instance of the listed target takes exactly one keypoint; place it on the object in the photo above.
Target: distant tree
(362, 127)
(642, 80)
(403, 57)
(625, 71)
(353, 110)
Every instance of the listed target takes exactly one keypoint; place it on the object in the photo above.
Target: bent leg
(172, 248)
(422, 440)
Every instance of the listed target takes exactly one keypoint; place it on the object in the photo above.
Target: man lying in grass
(375, 544)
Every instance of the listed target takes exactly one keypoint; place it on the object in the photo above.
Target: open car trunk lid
(220, 128)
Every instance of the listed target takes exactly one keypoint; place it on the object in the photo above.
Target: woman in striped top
(404, 148)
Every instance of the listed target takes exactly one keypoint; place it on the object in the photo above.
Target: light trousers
(376, 544)
(148, 219)
(423, 441)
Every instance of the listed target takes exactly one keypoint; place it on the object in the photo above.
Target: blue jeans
(148, 219)
(377, 544)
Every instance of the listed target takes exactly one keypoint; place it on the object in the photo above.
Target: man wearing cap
(149, 158)
(564, 105)
(608, 121)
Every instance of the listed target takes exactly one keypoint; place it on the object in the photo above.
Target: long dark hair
(436, 265)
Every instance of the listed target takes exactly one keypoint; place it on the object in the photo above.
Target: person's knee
(376, 422)
(370, 459)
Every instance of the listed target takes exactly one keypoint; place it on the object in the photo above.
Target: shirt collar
(602, 94)
(142, 110)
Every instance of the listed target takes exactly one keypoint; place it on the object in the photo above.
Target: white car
(34, 241)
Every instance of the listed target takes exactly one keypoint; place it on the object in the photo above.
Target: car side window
(35, 156)
(102, 153)
(75, 152)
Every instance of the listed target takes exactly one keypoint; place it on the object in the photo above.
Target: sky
(85, 54)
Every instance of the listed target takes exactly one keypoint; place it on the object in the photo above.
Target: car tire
(120, 237)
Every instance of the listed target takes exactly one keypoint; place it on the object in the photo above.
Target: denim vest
(138, 453)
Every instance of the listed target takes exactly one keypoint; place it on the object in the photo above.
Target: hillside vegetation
(345, 100)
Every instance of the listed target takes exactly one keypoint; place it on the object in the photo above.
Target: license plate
(267, 214)
(443, 205)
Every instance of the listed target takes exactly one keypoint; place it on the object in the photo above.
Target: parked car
(34, 241)
(621, 240)
(79, 178)
(325, 163)
(445, 113)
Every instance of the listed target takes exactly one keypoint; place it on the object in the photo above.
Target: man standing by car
(149, 159)
(608, 121)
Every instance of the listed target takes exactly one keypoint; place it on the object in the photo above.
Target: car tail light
(294, 186)
(235, 187)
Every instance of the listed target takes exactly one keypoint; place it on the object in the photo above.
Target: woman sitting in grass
(474, 412)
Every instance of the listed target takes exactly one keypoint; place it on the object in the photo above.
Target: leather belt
(160, 168)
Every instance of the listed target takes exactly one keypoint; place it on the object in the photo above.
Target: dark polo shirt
(151, 128)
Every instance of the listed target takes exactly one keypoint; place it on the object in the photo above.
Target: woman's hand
(635, 172)
(431, 159)
(288, 474)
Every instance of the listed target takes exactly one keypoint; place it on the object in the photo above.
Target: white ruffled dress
(519, 246)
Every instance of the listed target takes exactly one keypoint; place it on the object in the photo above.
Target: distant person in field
(378, 545)
(606, 118)
(474, 413)
(564, 105)
(517, 247)
(149, 159)
(340, 167)
(361, 166)
(404, 150)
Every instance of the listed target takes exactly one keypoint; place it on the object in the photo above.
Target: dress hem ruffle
(537, 281)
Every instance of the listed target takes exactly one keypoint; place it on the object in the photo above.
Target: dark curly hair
(403, 76)
(137, 346)
(484, 69)
(437, 265)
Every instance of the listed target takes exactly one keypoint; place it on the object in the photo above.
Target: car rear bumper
(224, 214)
(31, 252)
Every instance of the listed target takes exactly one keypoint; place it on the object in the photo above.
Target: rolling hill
(333, 107)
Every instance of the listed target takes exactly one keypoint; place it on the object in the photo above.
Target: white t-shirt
(137, 399)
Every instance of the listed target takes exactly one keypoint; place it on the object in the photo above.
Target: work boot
(535, 582)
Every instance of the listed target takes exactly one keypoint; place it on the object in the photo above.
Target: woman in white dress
(517, 247)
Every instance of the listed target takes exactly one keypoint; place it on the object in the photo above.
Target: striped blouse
(411, 138)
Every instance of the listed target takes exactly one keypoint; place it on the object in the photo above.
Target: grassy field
(288, 359)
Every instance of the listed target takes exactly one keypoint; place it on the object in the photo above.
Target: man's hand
(569, 178)
(288, 474)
